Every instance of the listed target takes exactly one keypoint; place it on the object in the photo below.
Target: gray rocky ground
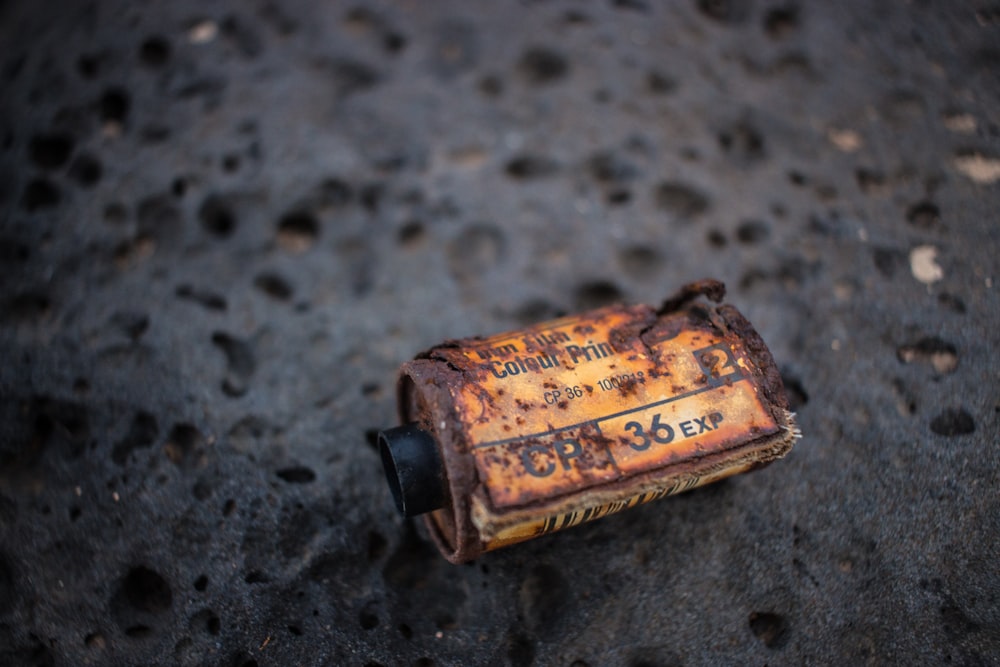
(224, 225)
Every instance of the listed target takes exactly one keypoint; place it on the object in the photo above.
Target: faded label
(571, 404)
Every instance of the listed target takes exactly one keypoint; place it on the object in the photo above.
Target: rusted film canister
(524, 433)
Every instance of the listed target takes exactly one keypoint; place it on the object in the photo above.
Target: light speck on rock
(923, 264)
(979, 168)
(961, 123)
(847, 141)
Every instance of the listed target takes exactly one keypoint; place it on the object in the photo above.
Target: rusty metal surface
(573, 419)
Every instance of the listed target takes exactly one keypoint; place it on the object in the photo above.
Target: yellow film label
(574, 404)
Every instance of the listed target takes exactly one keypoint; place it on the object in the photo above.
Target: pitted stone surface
(224, 225)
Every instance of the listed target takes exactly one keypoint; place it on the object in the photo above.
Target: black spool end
(413, 468)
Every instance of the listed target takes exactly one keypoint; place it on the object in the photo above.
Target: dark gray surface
(216, 254)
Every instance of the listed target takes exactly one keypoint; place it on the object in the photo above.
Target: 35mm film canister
(524, 433)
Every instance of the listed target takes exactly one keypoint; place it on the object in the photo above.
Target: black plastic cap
(413, 469)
